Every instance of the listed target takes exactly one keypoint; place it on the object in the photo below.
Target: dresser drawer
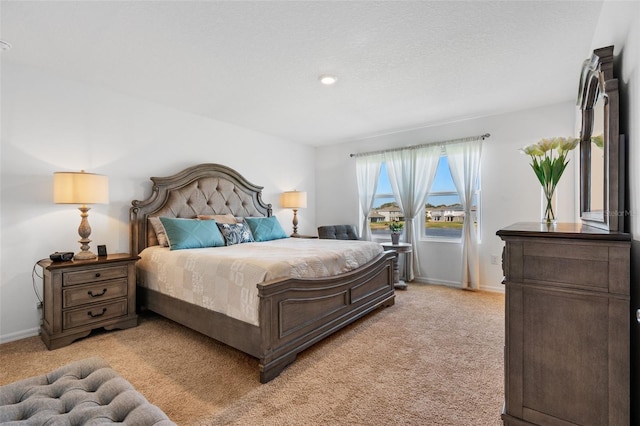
(94, 313)
(94, 293)
(94, 275)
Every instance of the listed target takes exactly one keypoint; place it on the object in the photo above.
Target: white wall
(510, 190)
(49, 124)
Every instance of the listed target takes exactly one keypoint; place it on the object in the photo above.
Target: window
(443, 214)
(385, 207)
(443, 210)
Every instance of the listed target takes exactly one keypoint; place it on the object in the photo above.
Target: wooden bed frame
(293, 313)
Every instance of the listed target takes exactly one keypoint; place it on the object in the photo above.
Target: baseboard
(437, 282)
(495, 289)
(454, 284)
(6, 338)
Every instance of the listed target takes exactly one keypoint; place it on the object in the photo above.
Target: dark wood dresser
(567, 325)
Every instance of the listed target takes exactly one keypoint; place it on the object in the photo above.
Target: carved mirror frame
(600, 182)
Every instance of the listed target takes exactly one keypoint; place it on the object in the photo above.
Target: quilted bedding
(224, 279)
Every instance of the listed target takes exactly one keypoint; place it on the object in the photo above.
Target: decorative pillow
(220, 218)
(265, 228)
(235, 233)
(158, 228)
(192, 233)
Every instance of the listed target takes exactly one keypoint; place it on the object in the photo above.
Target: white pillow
(219, 218)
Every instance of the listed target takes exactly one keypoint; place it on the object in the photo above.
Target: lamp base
(295, 223)
(85, 255)
(84, 230)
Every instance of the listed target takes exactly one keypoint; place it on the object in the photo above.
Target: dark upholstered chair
(338, 232)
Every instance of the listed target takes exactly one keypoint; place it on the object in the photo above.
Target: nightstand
(303, 236)
(82, 295)
(400, 248)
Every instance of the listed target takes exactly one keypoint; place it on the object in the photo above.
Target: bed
(293, 313)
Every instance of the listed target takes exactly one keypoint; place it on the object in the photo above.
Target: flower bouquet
(395, 226)
(548, 161)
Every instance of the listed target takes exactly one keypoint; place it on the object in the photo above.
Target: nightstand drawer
(94, 293)
(93, 313)
(93, 275)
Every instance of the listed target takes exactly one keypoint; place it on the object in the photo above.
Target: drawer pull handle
(92, 315)
(90, 292)
(97, 274)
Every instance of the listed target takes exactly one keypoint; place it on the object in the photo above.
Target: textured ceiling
(400, 65)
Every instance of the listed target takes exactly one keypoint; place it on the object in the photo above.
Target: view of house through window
(443, 214)
(385, 208)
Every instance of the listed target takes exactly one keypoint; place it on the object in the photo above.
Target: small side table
(400, 248)
(304, 236)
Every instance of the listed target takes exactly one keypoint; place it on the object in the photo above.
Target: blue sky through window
(441, 183)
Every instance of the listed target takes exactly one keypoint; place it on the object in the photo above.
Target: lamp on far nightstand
(81, 188)
(294, 200)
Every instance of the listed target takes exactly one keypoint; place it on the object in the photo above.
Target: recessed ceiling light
(328, 79)
(4, 45)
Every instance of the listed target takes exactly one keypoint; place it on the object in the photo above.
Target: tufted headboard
(202, 189)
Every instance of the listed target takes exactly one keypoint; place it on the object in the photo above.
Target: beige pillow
(161, 235)
(219, 218)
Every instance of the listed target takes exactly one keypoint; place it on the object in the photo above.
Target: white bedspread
(224, 279)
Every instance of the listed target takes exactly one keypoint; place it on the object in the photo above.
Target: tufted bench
(83, 392)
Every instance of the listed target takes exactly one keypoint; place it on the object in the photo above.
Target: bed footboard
(296, 313)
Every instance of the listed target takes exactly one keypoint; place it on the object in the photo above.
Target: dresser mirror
(601, 182)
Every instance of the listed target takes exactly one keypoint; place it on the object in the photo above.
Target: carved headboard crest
(202, 189)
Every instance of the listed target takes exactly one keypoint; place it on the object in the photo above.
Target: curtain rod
(382, 151)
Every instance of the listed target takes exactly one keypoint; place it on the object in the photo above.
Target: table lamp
(81, 188)
(294, 200)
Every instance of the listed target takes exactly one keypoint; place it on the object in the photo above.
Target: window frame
(423, 231)
(386, 236)
(423, 236)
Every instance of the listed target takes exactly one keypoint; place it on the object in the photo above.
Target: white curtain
(411, 174)
(464, 162)
(367, 173)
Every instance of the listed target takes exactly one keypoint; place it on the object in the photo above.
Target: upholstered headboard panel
(201, 189)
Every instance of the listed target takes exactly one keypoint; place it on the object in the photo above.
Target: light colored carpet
(435, 358)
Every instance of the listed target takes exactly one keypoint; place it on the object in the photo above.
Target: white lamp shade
(80, 188)
(294, 200)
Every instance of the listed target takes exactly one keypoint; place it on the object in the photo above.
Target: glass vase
(549, 206)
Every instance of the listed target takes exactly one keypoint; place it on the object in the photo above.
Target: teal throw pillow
(192, 233)
(265, 228)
